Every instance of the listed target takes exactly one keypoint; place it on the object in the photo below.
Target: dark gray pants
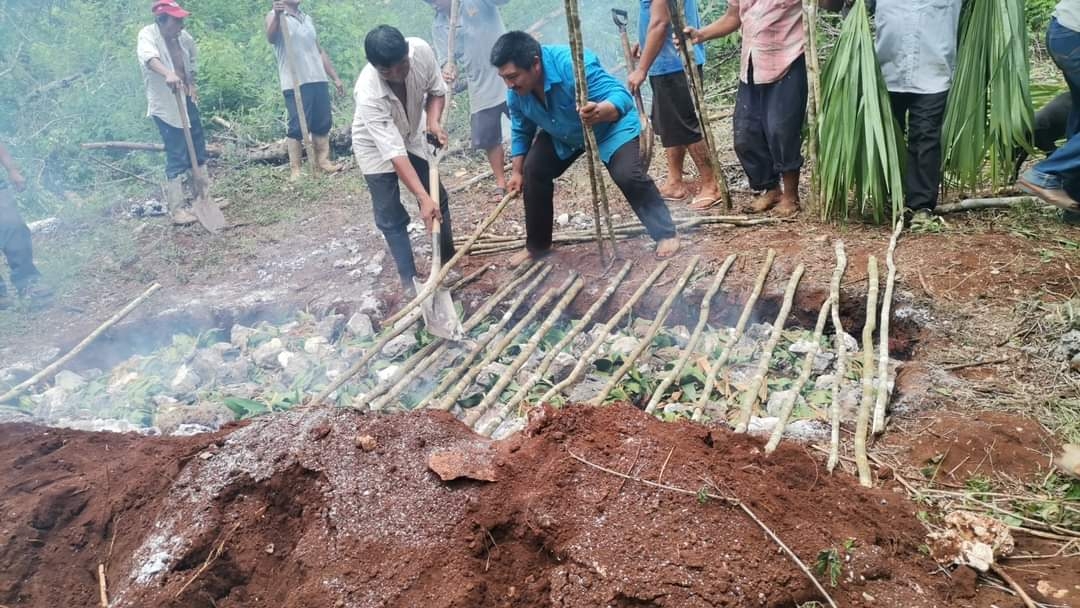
(768, 126)
(177, 161)
(921, 118)
(393, 220)
(543, 166)
(15, 243)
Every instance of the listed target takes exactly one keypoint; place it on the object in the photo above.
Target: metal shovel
(205, 210)
(440, 315)
(621, 18)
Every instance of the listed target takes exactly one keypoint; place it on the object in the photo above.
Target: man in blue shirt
(548, 137)
(673, 114)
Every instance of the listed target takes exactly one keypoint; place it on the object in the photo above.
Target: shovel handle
(436, 225)
(181, 104)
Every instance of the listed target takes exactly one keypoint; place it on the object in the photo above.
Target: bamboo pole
(862, 424)
(585, 359)
(496, 351)
(431, 286)
(456, 372)
(55, 366)
(379, 396)
(788, 406)
(883, 355)
(813, 72)
(472, 417)
(592, 150)
(301, 114)
(748, 309)
(679, 222)
(695, 337)
(654, 328)
(841, 355)
(575, 331)
(750, 397)
(697, 89)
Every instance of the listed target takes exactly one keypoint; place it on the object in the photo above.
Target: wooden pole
(841, 355)
(53, 368)
(813, 72)
(788, 405)
(309, 145)
(881, 402)
(862, 424)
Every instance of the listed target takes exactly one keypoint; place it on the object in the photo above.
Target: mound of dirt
(337, 508)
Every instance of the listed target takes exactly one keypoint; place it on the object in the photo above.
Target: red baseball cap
(170, 8)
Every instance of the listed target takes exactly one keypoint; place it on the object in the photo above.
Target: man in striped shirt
(770, 106)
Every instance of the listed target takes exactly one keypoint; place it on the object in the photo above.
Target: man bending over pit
(401, 82)
(548, 137)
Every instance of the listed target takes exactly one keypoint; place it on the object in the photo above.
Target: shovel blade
(440, 316)
(208, 213)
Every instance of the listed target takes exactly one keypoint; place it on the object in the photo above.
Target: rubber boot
(177, 203)
(296, 159)
(322, 154)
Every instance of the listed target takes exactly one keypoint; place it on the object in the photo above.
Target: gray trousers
(15, 242)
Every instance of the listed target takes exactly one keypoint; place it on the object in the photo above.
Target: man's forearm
(434, 107)
(657, 34)
(156, 65)
(329, 66)
(723, 26)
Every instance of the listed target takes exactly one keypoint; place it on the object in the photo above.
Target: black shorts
(316, 96)
(487, 127)
(673, 116)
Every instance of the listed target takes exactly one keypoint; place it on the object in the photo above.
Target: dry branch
(455, 373)
(1024, 597)
(654, 328)
(103, 589)
(695, 337)
(862, 424)
(788, 404)
(972, 204)
(585, 359)
(55, 366)
(582, 324)
(496, 351)
(744, 318)
(473, 415)
(841, 354)
(750, 397)
(883, 354)
(813, 107)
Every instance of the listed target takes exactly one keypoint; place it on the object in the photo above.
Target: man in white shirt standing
(167, 55)
(401, 82)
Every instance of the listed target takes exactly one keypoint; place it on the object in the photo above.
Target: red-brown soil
(291, 510)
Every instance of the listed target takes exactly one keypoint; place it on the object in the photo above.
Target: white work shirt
(383, 128)
(916, 44)
(1067, 13)
(304, 48)
(160, 99)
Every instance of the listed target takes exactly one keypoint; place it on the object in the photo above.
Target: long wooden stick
(103, 589)
(788, 405)
(680, 222)
(841, 355)
(654, 328)
(431, 286)
(750, 397)
(478, 349)
(712, 375)
(695, 337)
(862, 424)
(301, 113)
(1024, 597)
(578, 328)
(472, 417)
(813, 109)
(697, 89)
(592, 150)
(387, 390)
(883, 346)
(726, 499)
(973, 204)
(53, 368)
(496, 351)
(586, 358)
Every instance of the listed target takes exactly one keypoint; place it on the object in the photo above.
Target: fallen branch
(980, 363)
(862, 424)
(973, 204)
(586, 358)
(788, 406)
(726, 499)
(123, 145)
(49, 371)
(750, 397)
(841, 355)
(103, 589)
(654, 328)
(748, 309)
(703, 319)
(212, 557)
(472, 417)
(469, 278)
(1024, 597)
(883, 348)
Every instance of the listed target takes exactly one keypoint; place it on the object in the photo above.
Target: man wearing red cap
(167, 55)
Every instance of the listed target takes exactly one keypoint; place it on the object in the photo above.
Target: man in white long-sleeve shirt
(401, 82)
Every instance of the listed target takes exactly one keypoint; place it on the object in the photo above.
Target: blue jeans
(1064, 46)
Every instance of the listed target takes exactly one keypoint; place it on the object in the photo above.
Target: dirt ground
(292, 510)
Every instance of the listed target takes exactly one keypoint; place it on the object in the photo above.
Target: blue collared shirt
(560, 119)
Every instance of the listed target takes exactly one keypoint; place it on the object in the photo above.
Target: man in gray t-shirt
(479, 26)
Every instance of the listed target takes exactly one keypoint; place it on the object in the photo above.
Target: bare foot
(788, 207)
(665, 248)
(766, 201)
(525, 256)
(674, 191)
